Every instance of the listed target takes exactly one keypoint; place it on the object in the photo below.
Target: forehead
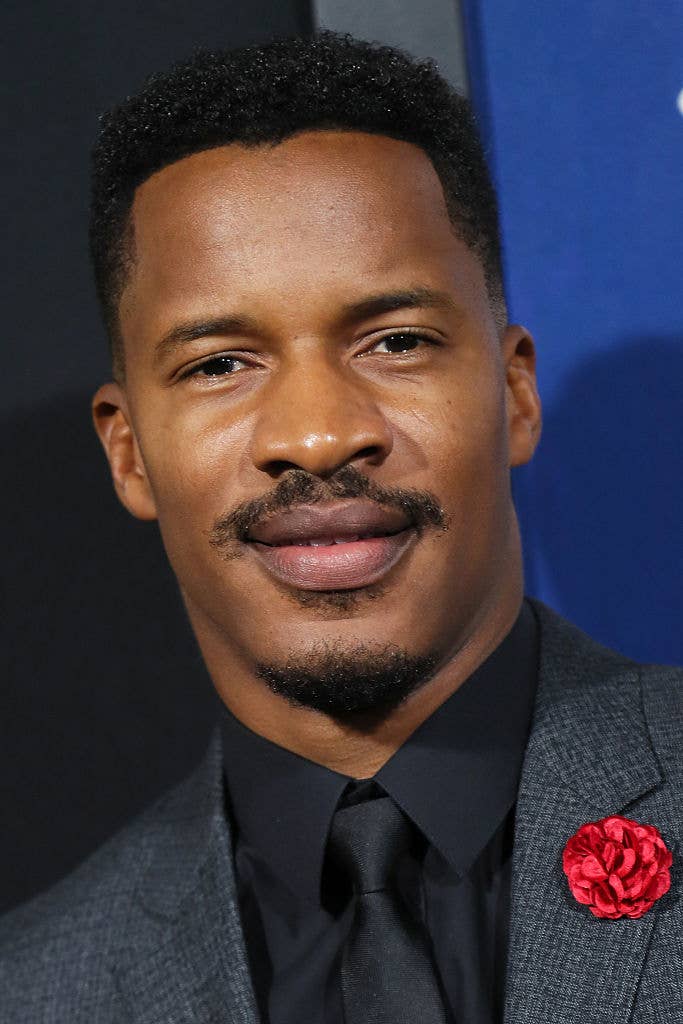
(315, 211)
(311, 165)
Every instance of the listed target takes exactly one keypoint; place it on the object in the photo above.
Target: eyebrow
(418, 297)
(203, 327)
(373, 305)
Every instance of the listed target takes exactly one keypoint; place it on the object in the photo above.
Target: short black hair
(264, 94)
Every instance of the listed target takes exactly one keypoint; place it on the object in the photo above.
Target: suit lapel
(589, 755)
(186, 959)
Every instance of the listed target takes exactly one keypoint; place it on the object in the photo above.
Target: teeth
(325, 542)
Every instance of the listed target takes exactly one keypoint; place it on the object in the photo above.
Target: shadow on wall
(105, 700)
(602, 503)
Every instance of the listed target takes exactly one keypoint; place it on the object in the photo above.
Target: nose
(318, 418)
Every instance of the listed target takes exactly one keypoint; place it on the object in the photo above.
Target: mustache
(298, 487)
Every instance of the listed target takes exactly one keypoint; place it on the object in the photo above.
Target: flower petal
(593, 869)
(628, 860)
(616, 885)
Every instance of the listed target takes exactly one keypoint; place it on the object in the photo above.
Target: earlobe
(523, 401)
(112, 423)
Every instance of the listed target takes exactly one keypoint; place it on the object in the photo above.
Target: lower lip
(337, 566)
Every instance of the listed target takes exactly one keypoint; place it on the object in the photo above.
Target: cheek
(460, 439)
(194, 462)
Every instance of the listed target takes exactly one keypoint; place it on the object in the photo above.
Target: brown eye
(216, 367)
(400, 342)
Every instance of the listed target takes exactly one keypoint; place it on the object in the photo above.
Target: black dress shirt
(456, 777)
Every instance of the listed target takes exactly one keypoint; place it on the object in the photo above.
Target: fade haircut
(261, 95)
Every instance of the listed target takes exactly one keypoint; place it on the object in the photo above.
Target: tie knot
(366, 841)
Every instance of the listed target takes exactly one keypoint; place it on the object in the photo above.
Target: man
(319, 398)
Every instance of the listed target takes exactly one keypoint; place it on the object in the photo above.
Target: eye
(400, 341)
(218, 366)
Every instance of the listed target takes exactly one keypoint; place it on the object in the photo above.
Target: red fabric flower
(617, 867)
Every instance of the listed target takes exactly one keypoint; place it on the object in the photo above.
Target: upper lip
(311, 522)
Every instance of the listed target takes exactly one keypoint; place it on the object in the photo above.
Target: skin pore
(258, 358)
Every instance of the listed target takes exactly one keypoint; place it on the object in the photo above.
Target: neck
(359, 747)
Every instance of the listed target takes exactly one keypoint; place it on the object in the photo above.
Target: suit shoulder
(102, 881)
(58, 951)
(102, 884)
(664, 682)
(575, 656)
(65, 935)
(662, 687)
(101, 878)
(74, 929)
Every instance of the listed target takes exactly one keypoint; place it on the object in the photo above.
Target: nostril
(373, 451)
(278, 467)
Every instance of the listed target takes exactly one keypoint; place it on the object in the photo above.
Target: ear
(523, 402)
(112, 423)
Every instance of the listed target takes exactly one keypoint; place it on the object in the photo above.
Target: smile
(324, 542)
(343, 546)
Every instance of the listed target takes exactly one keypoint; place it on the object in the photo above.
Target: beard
(362, 683)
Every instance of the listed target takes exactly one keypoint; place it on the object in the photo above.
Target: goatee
(347, 684)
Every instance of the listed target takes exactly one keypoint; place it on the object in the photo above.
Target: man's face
(349, 381)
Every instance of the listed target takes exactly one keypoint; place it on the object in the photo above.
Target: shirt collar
(456, 776)
(282, 804)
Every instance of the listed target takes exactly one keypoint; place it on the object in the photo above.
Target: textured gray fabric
(607, 738)
(147, 930)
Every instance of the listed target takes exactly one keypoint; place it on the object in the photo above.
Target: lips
(332, 547)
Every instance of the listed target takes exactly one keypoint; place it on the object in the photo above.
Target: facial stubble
(349, 683)
(357, 682)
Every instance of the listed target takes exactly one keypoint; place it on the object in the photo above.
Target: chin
(341, 678)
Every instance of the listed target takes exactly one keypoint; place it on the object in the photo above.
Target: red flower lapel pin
(617, 867)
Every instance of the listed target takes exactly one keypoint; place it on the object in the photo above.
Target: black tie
(387, 972)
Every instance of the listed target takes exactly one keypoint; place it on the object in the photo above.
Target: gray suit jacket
(147, 930)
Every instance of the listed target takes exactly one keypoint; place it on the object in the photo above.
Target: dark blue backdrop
(578, 103)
